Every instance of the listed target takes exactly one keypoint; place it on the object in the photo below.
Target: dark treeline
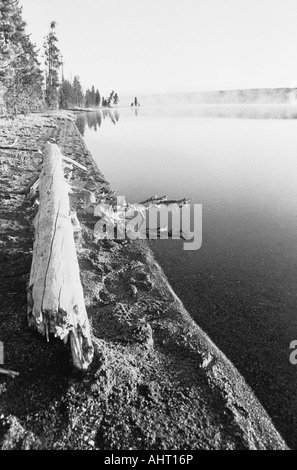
(25, 84)
(72, 96)
(93, 99)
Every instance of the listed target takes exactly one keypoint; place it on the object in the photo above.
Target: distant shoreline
(245, 96)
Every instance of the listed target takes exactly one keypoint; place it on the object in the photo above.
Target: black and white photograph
(148, 227)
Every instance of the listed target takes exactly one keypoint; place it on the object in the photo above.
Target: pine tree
(25, 90)
(11, 29)
(77, 92)
(19, 67)
(116, 99)
(9, 50)
(88, 99)
(93, 97)
(53, 63)
(110, 99)
(98, 99)
(65, 95)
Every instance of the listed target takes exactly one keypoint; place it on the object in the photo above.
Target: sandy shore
(157, 381)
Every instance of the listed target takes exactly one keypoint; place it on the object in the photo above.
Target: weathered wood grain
(55, 296)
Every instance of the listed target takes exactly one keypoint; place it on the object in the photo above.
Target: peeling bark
(55, 297)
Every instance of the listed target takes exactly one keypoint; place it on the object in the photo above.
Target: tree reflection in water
(81, 124)
(94, 119)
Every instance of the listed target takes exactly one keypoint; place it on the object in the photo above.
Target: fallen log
(55, 295)
(69, 160)
(179, 202)
(151, 199)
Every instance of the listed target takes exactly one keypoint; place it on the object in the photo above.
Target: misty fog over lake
(240, 163)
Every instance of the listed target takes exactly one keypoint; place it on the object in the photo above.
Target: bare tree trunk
(55, 298)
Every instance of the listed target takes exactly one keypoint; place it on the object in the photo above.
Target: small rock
(144, 335)
(208, 361)
(133, 290)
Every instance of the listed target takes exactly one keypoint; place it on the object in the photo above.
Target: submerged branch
(9, 373)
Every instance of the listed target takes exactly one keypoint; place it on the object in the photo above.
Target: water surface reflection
(94, 119)
(241, 164)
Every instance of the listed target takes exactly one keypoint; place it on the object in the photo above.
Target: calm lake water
(241, 165)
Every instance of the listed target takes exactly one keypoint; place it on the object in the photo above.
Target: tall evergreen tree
(88, 99)
(93, 97)
(77, 92)
(19, 67)
(65, 95)
(11, 29)
(98, 99)
(110, 99)
(25, 90)
(116, 99)
(53, 63)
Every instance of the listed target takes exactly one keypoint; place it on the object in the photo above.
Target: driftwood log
(55, 295)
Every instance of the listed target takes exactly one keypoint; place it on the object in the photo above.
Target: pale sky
(159, 46)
